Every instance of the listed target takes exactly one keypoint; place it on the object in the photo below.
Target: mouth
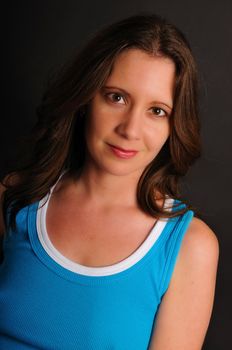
(122, 153)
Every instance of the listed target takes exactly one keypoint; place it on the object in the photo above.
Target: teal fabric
(45, 306)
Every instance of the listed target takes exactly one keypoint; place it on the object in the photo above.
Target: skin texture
(185, 310)
(135, 120)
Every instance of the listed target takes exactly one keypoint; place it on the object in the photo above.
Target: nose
(130, 125)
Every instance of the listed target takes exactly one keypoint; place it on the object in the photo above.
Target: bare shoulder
(186, 307)
(200, 243)
(198, 258)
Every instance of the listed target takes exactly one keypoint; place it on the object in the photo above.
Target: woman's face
(128, 119)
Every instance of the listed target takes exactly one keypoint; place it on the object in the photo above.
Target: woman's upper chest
(96, 236)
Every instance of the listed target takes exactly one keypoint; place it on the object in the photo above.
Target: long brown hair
(58, 141)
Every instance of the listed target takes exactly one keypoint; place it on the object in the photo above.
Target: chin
(117, 167)
(121, 169)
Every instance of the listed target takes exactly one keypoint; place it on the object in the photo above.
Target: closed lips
(123, 150)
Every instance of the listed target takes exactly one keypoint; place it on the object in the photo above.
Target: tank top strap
(57, 181)
(21, 231)
(171, 248)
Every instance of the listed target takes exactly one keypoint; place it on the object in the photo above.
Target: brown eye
(159, 111)
(115, 97)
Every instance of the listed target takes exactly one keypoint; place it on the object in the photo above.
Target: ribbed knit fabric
(48, 302)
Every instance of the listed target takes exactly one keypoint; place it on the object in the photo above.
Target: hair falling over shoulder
(58, 137)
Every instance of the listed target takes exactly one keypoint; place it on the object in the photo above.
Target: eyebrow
(106, 87)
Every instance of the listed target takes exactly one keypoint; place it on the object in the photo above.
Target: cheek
(165, 131)
(158, 135)
(100, 121)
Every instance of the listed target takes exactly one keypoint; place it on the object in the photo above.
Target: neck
(106, 189)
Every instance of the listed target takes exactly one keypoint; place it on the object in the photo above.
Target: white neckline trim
(96, 271)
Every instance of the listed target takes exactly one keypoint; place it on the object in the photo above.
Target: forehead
(139, 72)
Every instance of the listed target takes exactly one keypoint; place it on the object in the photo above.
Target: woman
(99, 249)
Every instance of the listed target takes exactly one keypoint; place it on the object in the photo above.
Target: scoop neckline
(70, 270)
(95, 271)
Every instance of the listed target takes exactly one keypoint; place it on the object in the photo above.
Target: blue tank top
(50, 302)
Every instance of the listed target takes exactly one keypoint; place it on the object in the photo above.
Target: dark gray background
(41, 35)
